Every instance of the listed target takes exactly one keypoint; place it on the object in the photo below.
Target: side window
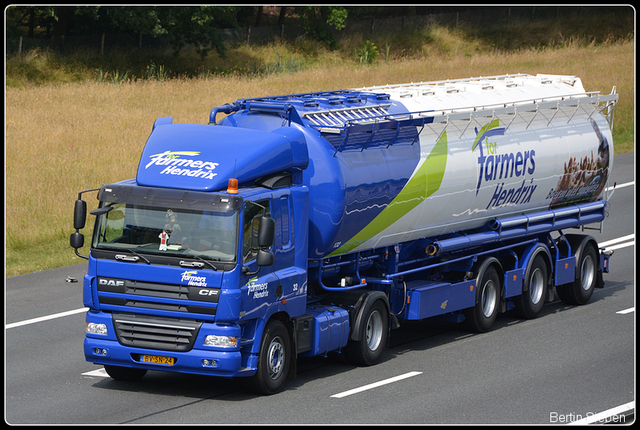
(286, 222)
(252, 215)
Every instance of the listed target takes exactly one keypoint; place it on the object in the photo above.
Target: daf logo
(208, 292)
(111, 282)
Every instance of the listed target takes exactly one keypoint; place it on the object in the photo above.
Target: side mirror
(79, 214)
(79, 218)
(265, 258)
(76, 240)
(266, 232)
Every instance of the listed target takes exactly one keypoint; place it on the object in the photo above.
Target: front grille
(148, 295)
(166, 334)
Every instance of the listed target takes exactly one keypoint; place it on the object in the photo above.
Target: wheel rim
(536, 286)
(373, 332)
(587, 272)
(275, 358)
(489, 295)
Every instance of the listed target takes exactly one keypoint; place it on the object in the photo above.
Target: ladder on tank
(346, 121)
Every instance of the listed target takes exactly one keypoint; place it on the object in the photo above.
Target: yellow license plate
(157, 359)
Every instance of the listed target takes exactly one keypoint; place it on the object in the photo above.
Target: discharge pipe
(226, 108)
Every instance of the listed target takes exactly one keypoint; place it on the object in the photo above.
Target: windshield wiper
(194, 264)
(136, 258)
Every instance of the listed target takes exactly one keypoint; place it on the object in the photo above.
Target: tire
(480, 317)
(579, 292)
(530, 302)
(374, 336)
(273, 361)
(125, 373)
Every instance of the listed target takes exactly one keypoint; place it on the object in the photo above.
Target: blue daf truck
(297, 225)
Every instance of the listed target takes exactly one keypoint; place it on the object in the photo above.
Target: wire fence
(369, 28)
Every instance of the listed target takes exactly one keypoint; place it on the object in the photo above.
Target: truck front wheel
(273, 362)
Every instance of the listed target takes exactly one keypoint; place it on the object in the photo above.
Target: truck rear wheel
(579, 292)
(480, 317)
(530, 302)
(273, 361)
(374, 329)
(125, 373)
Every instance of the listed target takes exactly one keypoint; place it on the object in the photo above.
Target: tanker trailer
(308, 223)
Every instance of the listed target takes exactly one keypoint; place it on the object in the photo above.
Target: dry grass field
(61, 139)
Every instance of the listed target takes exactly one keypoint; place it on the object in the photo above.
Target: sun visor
(203, 157)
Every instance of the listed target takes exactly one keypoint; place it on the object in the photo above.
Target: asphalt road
(568, 364)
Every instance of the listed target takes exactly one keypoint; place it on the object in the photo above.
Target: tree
(197, 25)
(194, 25)
(318, 20)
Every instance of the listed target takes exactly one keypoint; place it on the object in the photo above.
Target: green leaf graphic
(491, 125)
(423, 184)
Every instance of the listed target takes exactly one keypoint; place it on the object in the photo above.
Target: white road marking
(45, 318)
(613, 244)
(626, 311)
(100, 373)
(626, 184)
(618, 240)
(622, 245)
(376, 384)
(606, 416)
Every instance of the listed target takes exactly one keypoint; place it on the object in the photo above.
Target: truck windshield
(168, 231)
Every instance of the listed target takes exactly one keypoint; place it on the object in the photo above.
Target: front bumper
(201, 359)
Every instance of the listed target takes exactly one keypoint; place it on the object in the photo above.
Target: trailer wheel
(125, 373)
(374, 329)
(530, 302)
(579, 292)
(273, 361)
(480, 317)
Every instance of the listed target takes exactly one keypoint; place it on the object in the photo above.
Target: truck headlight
(95, 328)
(222, 341)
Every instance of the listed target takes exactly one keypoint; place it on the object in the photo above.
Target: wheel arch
(261, 324)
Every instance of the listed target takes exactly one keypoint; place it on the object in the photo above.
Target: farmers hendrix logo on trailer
(497, 167)
(174, 165)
